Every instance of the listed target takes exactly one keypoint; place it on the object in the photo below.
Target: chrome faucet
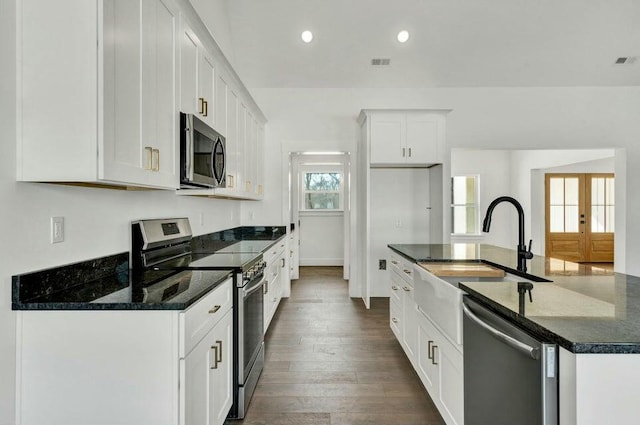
(524, 253)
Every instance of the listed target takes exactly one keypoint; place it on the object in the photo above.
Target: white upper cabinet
(197, 77)
(107, 121)
(99, 101)
(405, 138)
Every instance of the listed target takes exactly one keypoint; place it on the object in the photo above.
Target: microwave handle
(189, 136)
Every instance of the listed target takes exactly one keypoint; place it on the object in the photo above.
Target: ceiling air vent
(626, 60)
(380, 62)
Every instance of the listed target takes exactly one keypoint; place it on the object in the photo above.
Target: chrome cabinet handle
(409, 152)
(394, 320)
(149, 151)
(230, 180)
(394, 262)
(157, 166)
(403, 152)
(201, 100)
(433, 355)
(215, 357)
(219, 351)
(394, 287)
(429, 350)
(407, 271)
(282, 262)
(206, 108)
(214, 309)
(406, 289)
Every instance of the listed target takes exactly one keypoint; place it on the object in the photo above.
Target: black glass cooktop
(205, 261)
(248, 246)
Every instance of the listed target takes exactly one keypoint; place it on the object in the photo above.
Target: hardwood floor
(331, 361)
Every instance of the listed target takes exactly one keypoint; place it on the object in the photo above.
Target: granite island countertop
(583, 308)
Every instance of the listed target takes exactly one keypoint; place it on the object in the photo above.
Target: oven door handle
(248, 291)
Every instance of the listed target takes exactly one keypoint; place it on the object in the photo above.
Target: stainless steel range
(165, 244)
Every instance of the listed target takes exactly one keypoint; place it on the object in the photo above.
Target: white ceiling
(454, 43)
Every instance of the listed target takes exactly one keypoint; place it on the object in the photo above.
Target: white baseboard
(321, 261)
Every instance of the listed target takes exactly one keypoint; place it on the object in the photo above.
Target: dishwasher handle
(533, 352)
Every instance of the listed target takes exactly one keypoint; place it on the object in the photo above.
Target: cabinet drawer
(275, 251)
(396, 287)
(403, 267)
(395, 318)
(200, 318)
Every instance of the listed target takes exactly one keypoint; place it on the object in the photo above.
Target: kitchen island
(592, 313)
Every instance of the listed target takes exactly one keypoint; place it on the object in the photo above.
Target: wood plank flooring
(331, 361)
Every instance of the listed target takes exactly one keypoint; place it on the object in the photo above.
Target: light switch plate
(57, 229)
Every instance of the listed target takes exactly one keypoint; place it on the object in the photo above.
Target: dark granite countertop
(107, 283)
(583, 308)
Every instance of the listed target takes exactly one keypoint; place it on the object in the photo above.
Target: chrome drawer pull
(215, 357)
(219, 351)
(214, 309)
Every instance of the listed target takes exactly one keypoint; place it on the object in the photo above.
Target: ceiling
(454, 43)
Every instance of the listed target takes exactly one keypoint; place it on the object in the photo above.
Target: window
(465, 206)
(321, 191)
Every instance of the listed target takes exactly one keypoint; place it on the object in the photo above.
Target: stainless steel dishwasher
(509, 377)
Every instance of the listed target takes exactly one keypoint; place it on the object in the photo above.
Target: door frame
(289, 215)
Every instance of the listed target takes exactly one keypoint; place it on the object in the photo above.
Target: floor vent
(380, 62)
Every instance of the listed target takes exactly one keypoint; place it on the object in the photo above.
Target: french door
(579, 217)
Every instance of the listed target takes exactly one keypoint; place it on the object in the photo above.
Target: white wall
(398, 202)
(493, 167)
(321, 239)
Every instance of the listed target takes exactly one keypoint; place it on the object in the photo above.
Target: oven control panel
(255, 271)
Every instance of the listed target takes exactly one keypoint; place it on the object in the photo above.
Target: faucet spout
(524, 253)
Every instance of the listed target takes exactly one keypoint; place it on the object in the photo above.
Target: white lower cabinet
(208, 370)
(436, 359)
(277, 276)
(134, 367)
(440, 367)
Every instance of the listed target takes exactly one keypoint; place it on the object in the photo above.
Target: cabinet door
(421, 139)
(260, 159)
(188, 71)
(221, 93)
(197, 379)
(387, 137)
(232, 140)
(123, 151)
(222, 377)
(450, 381)
(206, 87)
(250, 152)
(426, 365)
(159, 108)
(242, 152)
(410, 326)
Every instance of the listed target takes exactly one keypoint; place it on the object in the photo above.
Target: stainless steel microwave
(202, 154)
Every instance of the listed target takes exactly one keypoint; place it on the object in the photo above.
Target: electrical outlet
(57, 229)
(382, 264)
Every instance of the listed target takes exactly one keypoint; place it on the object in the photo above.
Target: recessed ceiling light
(307, 36)
(403, 36)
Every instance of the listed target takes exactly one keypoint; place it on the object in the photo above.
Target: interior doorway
(320, 206)
(579, 216)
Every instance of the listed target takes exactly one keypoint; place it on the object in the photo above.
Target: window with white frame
(465, 205)
(321, 191)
